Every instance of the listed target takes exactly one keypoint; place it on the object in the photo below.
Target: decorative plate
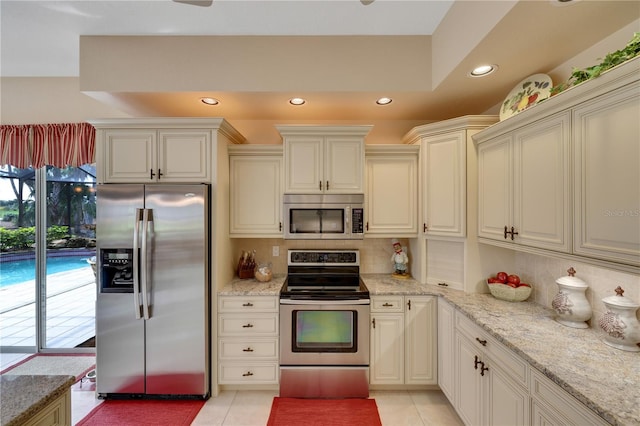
(527, 93)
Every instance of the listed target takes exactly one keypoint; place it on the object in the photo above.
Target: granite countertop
(23, 396)
(253, 287)
(605, 379)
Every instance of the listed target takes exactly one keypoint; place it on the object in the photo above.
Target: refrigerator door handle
(147, 220)
(136, 264)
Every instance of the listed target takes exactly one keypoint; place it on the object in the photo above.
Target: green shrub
(17, 239)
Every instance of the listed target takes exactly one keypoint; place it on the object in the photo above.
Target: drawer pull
(247, 326)
(248, 304)
(481, 341)
(247, 350)
(247, 374)
(387, 305)
(443, 284)
(476, 362)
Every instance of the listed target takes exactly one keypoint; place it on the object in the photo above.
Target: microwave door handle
(136, 263)
(347, 220)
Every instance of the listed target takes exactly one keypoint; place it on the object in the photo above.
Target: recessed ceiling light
(483, 70)
(384, 101)
(297, 101)
(209, 101)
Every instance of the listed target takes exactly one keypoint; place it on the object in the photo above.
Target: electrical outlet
(275, 251)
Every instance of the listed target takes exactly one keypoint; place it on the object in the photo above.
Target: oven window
(316, 221)
(324, 331)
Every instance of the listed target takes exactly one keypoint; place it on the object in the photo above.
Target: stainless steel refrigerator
(152, 307)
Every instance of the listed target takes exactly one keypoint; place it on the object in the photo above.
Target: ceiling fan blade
(203, 3)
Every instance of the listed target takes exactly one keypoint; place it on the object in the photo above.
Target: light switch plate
(275, 251)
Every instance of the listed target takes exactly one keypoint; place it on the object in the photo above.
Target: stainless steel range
(324, 326)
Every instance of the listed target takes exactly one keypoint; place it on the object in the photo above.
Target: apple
(513, 279)
(514, 285)
(494, 280)
(523, 285)
(502, 276)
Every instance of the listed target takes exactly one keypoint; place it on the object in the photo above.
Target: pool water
(25, 270)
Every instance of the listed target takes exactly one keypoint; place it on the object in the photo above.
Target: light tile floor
(251, 408)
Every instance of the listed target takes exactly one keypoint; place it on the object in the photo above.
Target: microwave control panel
(357, 221)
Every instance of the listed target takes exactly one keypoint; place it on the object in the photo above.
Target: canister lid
(619, 300)
(572, 281)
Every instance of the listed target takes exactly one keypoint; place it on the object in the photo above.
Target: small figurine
(400, 260)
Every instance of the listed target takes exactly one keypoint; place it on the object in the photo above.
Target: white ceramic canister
(620, 322)
(571, 304)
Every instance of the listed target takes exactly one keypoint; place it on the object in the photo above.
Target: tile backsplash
(375, 253)
(542, 272)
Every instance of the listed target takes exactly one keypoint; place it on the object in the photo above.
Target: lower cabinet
(494, 386)
(403, 340)
(247, 340)
(56, 413)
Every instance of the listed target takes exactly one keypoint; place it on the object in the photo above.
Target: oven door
(321, 333)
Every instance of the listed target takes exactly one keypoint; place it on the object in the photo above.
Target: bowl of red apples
(508, 287)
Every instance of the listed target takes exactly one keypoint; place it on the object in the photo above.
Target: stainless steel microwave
(324, 216)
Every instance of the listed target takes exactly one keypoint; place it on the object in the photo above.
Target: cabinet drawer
(501, 356)
(248, 373)
(239, 348)
(247, 304)
(387, 304)
(254, 324)
(472, 331)
(548, 397)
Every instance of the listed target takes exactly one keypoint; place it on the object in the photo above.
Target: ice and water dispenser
(116, 272)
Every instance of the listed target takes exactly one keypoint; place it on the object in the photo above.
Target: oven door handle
(324, 302)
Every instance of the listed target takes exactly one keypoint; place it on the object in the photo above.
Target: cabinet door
(391, 196)
(468, 402)
(343, 164)
(255, 196)
(607, 177)
(494, 188)
(541, 184)
(129, 155)
(184, 156)
(446, 348)
(387, 349)
(507, 403)
(304, 164)
(420, 340)
(445, 184)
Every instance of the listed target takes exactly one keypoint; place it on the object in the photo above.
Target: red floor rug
(153, 412)
(324, 412)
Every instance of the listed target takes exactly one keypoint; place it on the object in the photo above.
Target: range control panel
(323, 257)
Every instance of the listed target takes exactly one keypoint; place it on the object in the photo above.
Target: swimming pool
(19, 271)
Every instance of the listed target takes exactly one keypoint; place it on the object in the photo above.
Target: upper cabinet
(159, 150)
(523, 179)
(255, 180)
(564, 175)
(392, 191)
(443, 152)
(323, 159)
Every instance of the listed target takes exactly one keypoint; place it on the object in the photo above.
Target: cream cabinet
(563, 177)
(323, 159)
(403, 340)
(248, 340)
(446, 345)
(391, 191)
(159, 150)
(491, 383)
(56, 413)
(443, 162)
(256, 184)
(606, 151)
(523, 183)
